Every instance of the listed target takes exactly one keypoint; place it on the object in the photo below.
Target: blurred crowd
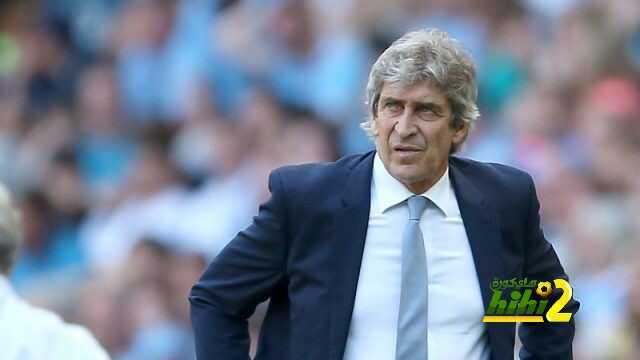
(138, 135)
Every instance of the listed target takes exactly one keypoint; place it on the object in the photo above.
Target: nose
(405, 126)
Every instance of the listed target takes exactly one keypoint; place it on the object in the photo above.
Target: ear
(374, 124)
(460, 134)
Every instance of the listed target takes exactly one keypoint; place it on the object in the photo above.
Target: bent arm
(239, 278)
(545, 340)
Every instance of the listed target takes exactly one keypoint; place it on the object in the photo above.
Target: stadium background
(137, 136)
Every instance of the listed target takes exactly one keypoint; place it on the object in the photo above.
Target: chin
(408, 172)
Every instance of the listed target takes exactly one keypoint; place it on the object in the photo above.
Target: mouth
(407, 149)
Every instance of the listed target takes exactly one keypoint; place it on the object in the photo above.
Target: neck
(420, 187)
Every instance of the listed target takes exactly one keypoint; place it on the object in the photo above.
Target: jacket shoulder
(320, 173)
(507, 189)
(500, 174)
(315, 186)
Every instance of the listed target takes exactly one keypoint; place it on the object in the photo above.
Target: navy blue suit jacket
(304, 248)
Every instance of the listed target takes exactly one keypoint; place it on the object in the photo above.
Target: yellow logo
(544, 289)
(520, 304)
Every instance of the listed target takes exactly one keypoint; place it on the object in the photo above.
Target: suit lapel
(482, 227)
(350, 222)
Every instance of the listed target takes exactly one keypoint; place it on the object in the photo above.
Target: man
(390, 254)
(28, 333)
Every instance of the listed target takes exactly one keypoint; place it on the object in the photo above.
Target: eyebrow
(427, 104)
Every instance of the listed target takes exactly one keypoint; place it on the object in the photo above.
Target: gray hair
(426, 56)
(10, 231)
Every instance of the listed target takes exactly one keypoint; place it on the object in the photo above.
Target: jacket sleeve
(239, 278)
(544, 340)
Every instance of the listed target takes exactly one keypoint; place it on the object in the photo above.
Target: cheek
(383, 130)
(431, 133)
(437, 137)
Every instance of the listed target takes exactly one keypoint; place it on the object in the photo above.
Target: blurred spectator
(160, 45)
(29, 332)
(144, 207)
(95, 304)
(628, 338)
(50, 224)
(104, 147)
(308, 68)
(47, 64)
(154, 335)
(597, 230)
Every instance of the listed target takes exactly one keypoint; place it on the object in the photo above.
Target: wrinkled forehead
(419, 91)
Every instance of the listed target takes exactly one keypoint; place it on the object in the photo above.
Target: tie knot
(416, 204)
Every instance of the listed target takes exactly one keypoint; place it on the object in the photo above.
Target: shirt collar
(390, 192)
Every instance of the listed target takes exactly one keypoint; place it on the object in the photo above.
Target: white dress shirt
(455, 327)
(29, 333)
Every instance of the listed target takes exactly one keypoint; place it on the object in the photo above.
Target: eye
(428, 112)
(392, 106)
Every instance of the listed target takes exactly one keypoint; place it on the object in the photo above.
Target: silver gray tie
(411, 341)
